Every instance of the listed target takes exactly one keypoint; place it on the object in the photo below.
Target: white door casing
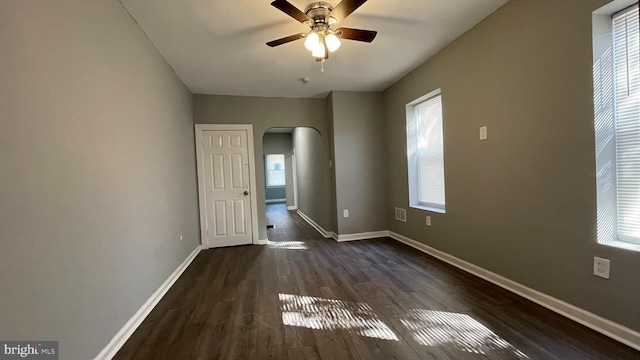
(294, 172)
(226, 185)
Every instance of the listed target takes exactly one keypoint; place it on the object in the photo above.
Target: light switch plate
(483, 133)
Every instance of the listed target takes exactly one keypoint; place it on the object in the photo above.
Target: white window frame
(606, 105)
(412, 155)
(268, 179)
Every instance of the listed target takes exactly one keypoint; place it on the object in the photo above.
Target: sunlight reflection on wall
(288, 245)
(460, 331)
(328, 314)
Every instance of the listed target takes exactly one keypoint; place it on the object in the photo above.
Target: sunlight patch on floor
(329, 314)
(288, 245)
(462, 332)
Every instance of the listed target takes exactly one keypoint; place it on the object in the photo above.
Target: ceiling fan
(320, 16)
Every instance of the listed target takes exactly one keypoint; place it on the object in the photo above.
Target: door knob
(246, 193)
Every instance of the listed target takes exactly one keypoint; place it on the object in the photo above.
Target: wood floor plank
(303, 297)
(304, 353)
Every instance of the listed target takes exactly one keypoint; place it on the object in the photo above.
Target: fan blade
(357, 34)
(294, 12)
(285, 40)
(345, 8)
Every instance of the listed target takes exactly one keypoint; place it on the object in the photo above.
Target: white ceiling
(219, 47)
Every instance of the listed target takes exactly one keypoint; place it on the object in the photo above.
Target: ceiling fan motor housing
(319, 11)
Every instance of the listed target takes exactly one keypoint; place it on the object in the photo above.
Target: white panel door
(226, 188)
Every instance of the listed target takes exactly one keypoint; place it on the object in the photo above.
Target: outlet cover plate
(601, 267)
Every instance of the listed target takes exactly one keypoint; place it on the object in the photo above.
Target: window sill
(428, 208)
(623, 245)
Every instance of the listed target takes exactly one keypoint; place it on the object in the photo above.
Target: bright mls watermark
(35, 350)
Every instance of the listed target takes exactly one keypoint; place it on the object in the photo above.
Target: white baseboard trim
(363, 236)
(292, 208)
(326, 234)
(595, 322)
(130, 327)
(263, 242)
(275, 201)
(604, 326)
(346, 237)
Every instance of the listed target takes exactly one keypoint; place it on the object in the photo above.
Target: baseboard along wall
(323, 232)
(130, 327)
(271, 201)
(595, 322)
(604, 326)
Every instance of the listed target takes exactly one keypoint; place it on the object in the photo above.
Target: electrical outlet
(345, 213)
(428, 221)
(601, 267)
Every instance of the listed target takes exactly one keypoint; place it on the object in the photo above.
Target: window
(617, 127)
(425, 153)
(275, 170)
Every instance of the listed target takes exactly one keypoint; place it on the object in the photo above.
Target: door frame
(199, 128)
(294, 173)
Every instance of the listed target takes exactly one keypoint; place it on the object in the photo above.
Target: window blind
(627, 122)
(430, 151)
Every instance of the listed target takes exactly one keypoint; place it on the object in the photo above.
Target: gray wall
(360, 161)
(98, 172)
(314, 178)
(522, 203)
(275, 193)
(277, 143)
(265, 113)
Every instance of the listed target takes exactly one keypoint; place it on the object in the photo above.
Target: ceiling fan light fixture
(319, 51)
(332, 41)
(312, 41)
(320, 16)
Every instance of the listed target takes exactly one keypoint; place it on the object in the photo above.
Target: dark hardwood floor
(305, 297)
